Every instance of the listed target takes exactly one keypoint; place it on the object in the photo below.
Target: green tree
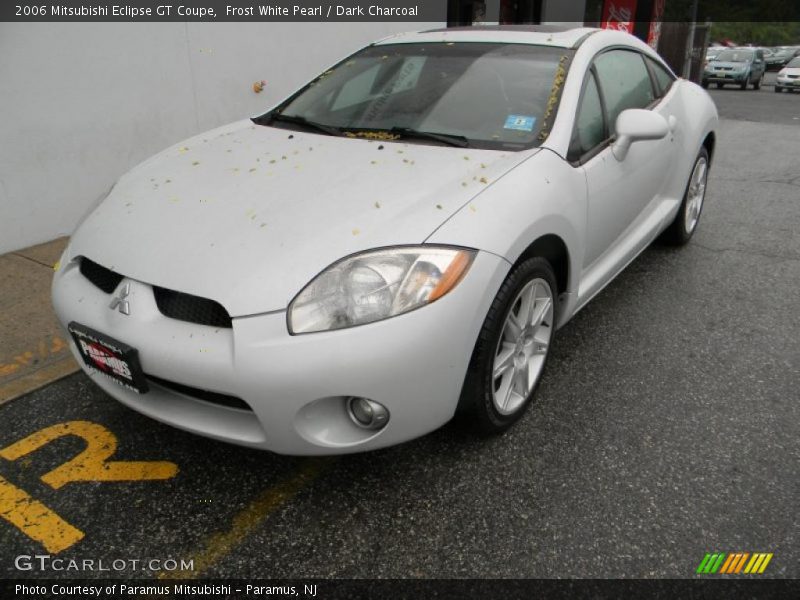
(757, 33)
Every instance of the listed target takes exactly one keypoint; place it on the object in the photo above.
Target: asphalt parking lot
(667, 426)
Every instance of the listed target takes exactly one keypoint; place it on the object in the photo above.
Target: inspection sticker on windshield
(519, 122)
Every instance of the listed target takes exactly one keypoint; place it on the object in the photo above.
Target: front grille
(103, 278)
(193, 309)
(205, 395)
(176, 305)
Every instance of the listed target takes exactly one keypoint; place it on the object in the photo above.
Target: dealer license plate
(106, 355)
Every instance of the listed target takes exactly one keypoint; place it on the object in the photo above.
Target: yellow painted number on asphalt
(35, 520)
(92, 463)
(39, 522)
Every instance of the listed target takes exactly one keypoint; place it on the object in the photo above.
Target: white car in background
(396, 242)
(789, 76)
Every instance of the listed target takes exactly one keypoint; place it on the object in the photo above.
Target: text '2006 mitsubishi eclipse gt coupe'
(395, 243)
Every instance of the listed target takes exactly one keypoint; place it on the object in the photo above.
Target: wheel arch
(709, 143)
(552, 248)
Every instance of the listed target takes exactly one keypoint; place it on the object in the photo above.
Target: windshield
(735, 56)
(794, 63)
(500, 96)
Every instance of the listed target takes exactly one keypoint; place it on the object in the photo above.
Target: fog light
(367, 413)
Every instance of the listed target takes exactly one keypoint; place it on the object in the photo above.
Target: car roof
(539, 35)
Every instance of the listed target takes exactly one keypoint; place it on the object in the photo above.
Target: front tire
(681, 229)
(757, 84)
(778, 89)
(512, 349)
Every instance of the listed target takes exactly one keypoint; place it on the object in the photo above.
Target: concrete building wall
(82, 103)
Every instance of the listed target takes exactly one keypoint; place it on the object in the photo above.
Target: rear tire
(512, 349)
(684, 225)
(719, 86)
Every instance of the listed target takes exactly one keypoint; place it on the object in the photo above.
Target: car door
(623, 212)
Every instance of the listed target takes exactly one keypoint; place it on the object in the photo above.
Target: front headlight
(376, 285)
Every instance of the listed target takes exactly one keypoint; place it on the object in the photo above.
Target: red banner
(619, 14)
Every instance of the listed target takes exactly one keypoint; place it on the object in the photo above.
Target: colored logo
(734, 563)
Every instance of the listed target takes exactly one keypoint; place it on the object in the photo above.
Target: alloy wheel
(524, 342)
(696, 194)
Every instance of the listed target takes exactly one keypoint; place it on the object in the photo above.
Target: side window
(664, 78)
(624, 81)
(589, 126)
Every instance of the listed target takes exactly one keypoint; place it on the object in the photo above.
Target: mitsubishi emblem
(119, 301)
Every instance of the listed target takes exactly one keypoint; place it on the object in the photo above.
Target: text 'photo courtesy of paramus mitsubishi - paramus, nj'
(394, 244)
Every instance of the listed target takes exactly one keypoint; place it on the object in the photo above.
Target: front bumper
(713, 77)
(787, 83)
(295, 386)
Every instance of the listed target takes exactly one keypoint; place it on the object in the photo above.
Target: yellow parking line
(35, 520)
(25, 383)
(221, 544)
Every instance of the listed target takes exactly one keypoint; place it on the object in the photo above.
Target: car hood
(789, 71)
(728, 65)
(247, 215)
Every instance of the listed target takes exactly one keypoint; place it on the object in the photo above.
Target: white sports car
(395, 243)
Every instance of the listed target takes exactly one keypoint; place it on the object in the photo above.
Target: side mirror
(634, 125)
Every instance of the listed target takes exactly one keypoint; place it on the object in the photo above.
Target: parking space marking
(221, 544)
(92, 463)
(35, 520)
(46, 348)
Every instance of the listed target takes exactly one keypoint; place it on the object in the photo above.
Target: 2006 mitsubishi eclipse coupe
(395, 243)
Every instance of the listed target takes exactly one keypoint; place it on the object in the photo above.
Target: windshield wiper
(446, 138)
(297, 120)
